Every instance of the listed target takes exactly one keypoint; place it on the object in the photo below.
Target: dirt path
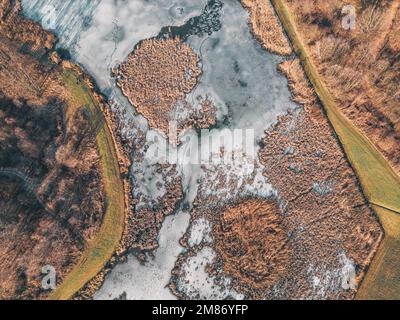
(100, 250)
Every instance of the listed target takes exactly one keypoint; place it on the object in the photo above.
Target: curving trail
(98, 251)
(379, 182)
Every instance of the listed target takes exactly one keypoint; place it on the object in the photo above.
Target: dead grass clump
(334, 50)
(157, 75)
(370, 20)
(252, 243)
(266, 27)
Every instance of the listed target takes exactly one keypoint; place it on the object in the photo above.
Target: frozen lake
(239, 76)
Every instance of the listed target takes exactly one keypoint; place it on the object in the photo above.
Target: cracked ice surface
(103, 32)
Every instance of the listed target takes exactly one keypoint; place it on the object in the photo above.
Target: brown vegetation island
(156, 78)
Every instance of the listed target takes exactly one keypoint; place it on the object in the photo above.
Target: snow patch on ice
(197, 283)
(148, 281)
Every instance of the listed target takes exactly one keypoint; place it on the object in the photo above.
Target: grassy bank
(379, 283)
(101, 249)
(380, 183)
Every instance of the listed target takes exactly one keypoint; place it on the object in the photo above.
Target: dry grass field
(354, 74)
(80, 218)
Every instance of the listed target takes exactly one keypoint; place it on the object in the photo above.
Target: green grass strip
(101, 249)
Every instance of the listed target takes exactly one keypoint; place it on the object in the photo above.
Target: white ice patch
(148, 281)
(196, 283)
(240, 74)
(200, 232)
(323, 188)
(259, 186)
(326, 280)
